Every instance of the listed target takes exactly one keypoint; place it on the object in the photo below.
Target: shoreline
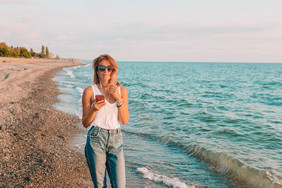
(34, 148)
(35, 60)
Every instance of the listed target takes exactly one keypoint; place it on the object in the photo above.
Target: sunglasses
(103, 68)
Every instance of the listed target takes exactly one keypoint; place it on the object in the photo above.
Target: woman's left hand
(114, 92)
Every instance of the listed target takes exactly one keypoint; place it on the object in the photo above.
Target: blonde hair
(99, 59)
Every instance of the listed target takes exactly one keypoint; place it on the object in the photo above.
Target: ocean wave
(138, 134)
(79, 102)
(70, 73)
(272, 83)
(233, 169)
(80, 90)
(69, 85)
(227, 131)
(86, 65)
(156, 177)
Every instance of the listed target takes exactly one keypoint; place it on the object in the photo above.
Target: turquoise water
(195, 124)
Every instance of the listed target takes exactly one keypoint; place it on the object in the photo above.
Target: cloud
(9, 28)
(144, 30)
(30, 17)
(150, 42)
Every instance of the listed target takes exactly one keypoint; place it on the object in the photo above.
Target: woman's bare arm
(123, 113)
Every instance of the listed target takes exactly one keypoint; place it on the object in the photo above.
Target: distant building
(51, 56)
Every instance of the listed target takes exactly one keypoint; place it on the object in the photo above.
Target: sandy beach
(34, 137)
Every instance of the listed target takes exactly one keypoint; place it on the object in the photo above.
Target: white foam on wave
(71, 74)
(273, 178)
(76, 67)
(79, 113)
(174, 182)
(80, 90)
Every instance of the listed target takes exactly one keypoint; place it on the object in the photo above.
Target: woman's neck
(104, 85)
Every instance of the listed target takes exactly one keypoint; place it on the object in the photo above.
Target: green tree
(24, 53)
(16, 52)
(3, 45)
(13, 52)
(4, 52)
(31, 52)
(42, 52)
(47, 53)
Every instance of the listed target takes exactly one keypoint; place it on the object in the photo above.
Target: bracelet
(119, 103)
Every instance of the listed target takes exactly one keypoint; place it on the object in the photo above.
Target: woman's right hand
(96, 106)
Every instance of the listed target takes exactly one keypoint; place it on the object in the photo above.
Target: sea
(193, 124)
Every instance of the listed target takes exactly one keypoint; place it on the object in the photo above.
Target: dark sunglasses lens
(110, 68)
(101, 69)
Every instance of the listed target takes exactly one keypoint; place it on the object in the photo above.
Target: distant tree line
(6, 51)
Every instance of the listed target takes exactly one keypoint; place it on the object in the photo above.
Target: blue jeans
(104, 152)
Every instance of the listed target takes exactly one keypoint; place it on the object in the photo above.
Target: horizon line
(131, 61)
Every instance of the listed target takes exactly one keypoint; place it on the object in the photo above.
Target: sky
(147, 30)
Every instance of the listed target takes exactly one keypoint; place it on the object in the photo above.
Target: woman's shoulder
(91, 87)
(123, 89)
(121, 86)
(88, 90)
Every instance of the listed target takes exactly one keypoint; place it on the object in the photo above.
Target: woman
(102, 118)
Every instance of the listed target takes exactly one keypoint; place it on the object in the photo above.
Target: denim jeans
(104, 152)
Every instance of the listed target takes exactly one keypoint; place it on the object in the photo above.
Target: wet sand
(34, 137)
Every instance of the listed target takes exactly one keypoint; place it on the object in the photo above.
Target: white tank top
(106, 117)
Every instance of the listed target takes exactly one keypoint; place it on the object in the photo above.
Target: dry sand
(34, 137)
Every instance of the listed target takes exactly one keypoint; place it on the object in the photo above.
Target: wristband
(119, 103)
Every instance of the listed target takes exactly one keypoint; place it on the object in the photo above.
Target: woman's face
(105, 75)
